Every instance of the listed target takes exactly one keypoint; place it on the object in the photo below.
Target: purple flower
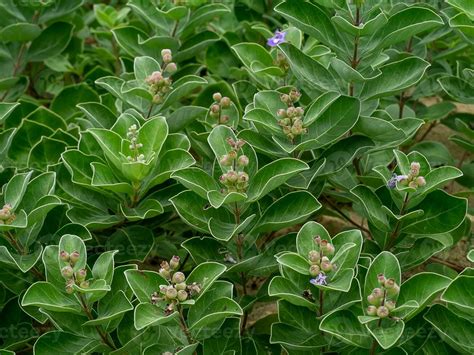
(392, 183)
(319, 280)
(278, 38)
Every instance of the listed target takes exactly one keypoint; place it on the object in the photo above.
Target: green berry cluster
(319, 259)
(178, 290)
(73, 278)
(236, 179)
(281, 61)
(413, 179)
(6, 214)
(382, 299)
(291, 119)
(134, 146)
(160, 81)
(220, 104)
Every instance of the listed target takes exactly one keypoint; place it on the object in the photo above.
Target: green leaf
(285, 289)
(133, 243)
(225, 231)
(372, 206)
(19, 32)
(72, 243)
(58, 342)
(345, 326)
(205, 274)
(388, 333)
(147, 314)
(459, 89)
(295, 262)
(442, 213)
(305, 237)
(104, 266)
(422, 288)
(465, 6)
(196, 180)
(309, 72)
(98, 114)
(15, 189)
(116, 307)
(24, 262)
(45, 295)
(6, 110)
(396, 77)
(454, 330)
(273, 175)
(143, 67)
(459, 294)
(64, 104)
(288, 210)
(144, 283)
(52, 41)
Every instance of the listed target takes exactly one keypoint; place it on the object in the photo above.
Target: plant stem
(103, 335)
(20, 249)
(395, 232)
(379, 323)
(184, 327)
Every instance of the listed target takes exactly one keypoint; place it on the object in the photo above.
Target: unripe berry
(383, 312)
(181, 286)
(171, 68)
(224, 119)
(232, 176)
(326, 266)
(74, 257)
(64, 256)
(164, 273)
(373, 300)
(226, 160)
(69, 289)
(217, 96)
(314, 270)
(294, 95)
(171, 293)
(165, 51)
(178, 277)
(372, 311)
(381, 279)
(390, 305)
(299, 111)
(182, 295)
(67, 272)
(84, 284)
(377, 292)
(291, 112)
(243, 160)
(225, 102)
(285, 98)
(242, 177)
(420, 181)
(215, 108)
(281, 113)
(81, 275)
(174, 262)
(314, 256)
(415, 168)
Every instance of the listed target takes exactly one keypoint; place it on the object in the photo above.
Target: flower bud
(81, 275)
(281, 113)
(232, 176)
(415, 168)
(171, 68)
(225, 102)
(155, 298)
(326, 266)
(383, 312)
(314, 256)
(377, 292)
(420, 181)
(64, 255)
(381, 279)
(294, 95)
(74, 257)
(67, 272)
(178, 277)
(314, 270)
(163, 288)
(194, 288)
(171, 293)
(224, 119)
(372, 311)
(226, 160)
(217, 96)
(389, 283)
(174, 262)
(165, 51)
(413, 184)
(243, 160)
(390, 305)
(69, 289)
(164, 273)
(242, 177)
(84, 284)
(330, 250)
(285, 98)
(317, 239)
(373, 300)
(164, 265)
(181, 286)
(299, 111)
(182, 295)
(215, 108)
(291, 112)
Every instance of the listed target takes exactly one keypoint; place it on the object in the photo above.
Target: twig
(454, 266)
(395, 232)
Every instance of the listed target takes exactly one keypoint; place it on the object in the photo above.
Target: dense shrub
(236, 177)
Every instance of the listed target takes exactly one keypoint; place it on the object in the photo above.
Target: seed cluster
(134, 146)
(320, 264)
(220, 104)
(236, 179)
(6, 214)
(291, 119)
(382, 299)
(160, 81)
(177, 291)
(73, 278)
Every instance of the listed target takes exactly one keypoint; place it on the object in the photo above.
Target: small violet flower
(278, 38)
(392, 183)
(319, 280)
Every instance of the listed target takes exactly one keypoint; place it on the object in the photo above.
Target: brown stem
(103, 335)
(148, 114)
(395, 232)
(428, 130)
(184, 327)
(401, 104)
(454, 266)
(347, 218)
